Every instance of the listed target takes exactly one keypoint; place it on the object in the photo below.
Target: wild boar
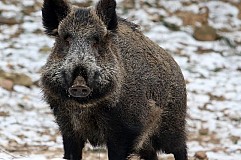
(108, 84)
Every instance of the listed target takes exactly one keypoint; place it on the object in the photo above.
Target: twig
(8, 153)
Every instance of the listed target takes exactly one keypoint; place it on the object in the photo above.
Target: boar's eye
(67, 38)
(96, 41)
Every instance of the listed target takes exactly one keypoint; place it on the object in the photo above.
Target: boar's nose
(79, 91)
(79, 88)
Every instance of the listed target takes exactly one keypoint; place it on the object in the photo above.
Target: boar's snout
(79, 88)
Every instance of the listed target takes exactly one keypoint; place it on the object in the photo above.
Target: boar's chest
(89, 126)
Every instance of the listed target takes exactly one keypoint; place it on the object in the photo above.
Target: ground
(211, 64)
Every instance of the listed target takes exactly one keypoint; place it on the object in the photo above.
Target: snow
(27, 127)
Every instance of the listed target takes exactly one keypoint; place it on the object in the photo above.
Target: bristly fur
(137, 103)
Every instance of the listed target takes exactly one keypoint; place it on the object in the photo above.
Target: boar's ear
(53, 12)
(105, 9)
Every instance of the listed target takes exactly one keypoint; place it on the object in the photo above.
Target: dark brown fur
(138, 99)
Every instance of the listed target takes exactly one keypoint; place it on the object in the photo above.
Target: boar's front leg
(181, 154)
(73, 147)
(148, 154)
(119, 147)
(117, 152)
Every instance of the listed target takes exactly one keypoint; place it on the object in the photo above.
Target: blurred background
(203, 36)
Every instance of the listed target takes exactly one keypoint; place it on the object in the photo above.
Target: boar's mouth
(79, 89)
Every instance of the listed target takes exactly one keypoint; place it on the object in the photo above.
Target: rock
(214, 139)
(235, 139)
(22, 79)
(83, 4)
(238, 5)
(156, 17)
(190, 18)
(6, 84)
(171, 26)
(216, 97)
(167, 157)
(201, 155)
(45, 49)
(205, 33)
(4, 114)
(129, 4)
(203, 131)
(28, 10)
(9, 21)
(17, 78)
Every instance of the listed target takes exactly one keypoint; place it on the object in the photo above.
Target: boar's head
(84, 64)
